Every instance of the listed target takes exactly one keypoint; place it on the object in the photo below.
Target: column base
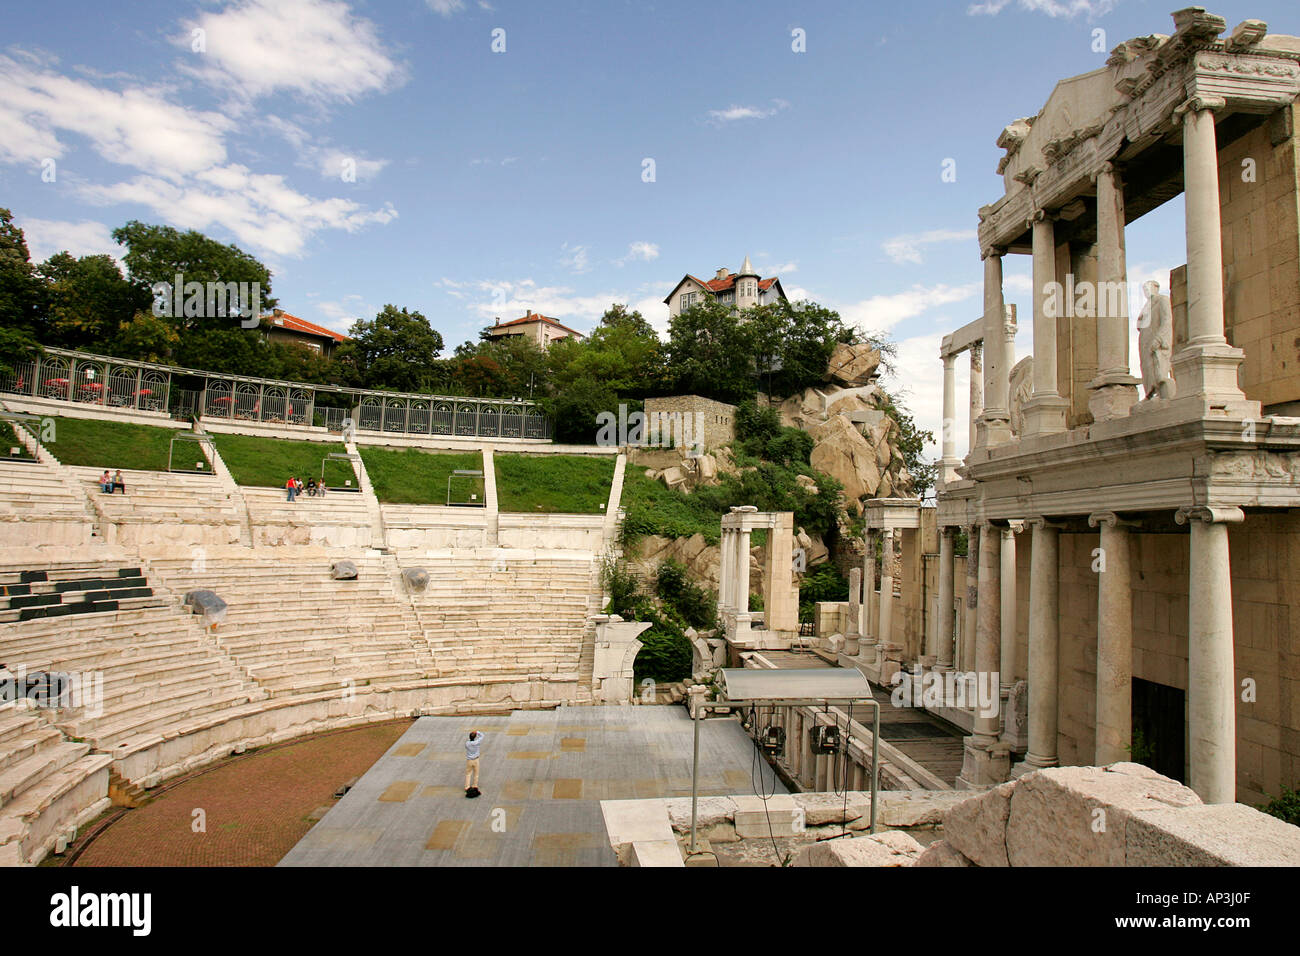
(1112, 396)
(985, 763)
(1206, 382)
(1045, 415)
(993, 429)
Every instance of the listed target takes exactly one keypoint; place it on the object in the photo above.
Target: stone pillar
(1205, 369)
(1009, 329)
(1044, 645)
(1114, 720)
(949, 462)
(947, 619)
(976, 392)
(986, 760)
(726, 552)
(742, 582)
(995, 421)
(965, 659)
(988, 627)
(887, 589)
(1045, 411)
(1114, 390)
(852, 636)
(1211, 673)
(780, 596)
(1007, 640)
(868, 589)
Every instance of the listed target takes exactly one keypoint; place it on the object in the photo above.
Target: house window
(726, 296)
(687, 300)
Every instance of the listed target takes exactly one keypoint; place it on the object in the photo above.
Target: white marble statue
(1156, 343)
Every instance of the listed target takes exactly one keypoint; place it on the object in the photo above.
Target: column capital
(1209, 515)
(1038, 521)
(1111, 520)
(993, 252)
(1108, 168)
(1199, 103)
(949, 359)
(1040, 215)
(1014, 527)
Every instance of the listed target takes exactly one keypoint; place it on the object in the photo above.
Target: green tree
(159, 253)
(22, 293)
(89, 301)
(396, 350)
(711, 353)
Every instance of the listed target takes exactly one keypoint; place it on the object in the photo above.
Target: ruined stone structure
(705, 423)
(780, 612)
(1134, 559)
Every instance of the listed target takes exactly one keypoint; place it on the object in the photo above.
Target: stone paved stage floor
(543, 775)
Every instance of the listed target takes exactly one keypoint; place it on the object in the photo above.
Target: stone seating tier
(161, 497)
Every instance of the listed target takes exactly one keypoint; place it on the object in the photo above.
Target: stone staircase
(297, 632)
(35, 493)
(175, 509)
(49, 786)
(337, 519)
(500, 612)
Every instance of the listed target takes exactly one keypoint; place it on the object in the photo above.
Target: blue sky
(487, 183)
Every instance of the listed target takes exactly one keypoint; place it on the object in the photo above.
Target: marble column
(976, 392)
(1211, 669)
(1114, 390)
(1114, 719)
(1045, 411)
(947, 620)
(1205, 369)
(1044, 644)
(868, 627)
(742, 572)
(852, 635)
(1009, 329)
(995, 420)
(966, 657)
(949, 461)
(1007, 640)
(988, 628)
(886, 631)
(726, 551)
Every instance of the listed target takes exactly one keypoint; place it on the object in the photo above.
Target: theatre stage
(543, 775)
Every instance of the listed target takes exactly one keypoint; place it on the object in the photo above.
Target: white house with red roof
(741, 290)
(542, 329)
(280, 326)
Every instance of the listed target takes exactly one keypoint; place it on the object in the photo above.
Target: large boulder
(853, 364)
(842, 452)
(208, 604)
(1220, 834)
(343, 571)
(891, 848)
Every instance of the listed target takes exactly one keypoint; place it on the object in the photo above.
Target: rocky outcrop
(861, 457)
(853, 364)
(676, 469)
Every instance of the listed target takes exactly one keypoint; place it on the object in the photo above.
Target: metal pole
(695, 769)
(875, 761)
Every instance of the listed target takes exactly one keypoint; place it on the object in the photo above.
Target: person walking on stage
(471, 763)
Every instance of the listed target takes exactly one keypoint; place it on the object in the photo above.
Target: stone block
(941, 853)
(1222, 834)
(1077, 816)
(343, 571)
(892, 848)
(977, 827)
(820, 809)
(661, 853)
(757, 818)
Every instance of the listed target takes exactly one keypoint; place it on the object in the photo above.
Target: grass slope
(568, 484)
(268, 462)
(99, 444)
(411, 476)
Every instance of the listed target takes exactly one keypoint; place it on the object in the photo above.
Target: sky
(475, 159)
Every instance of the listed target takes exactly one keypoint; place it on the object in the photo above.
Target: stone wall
(1265, 588)
(717, 419)
(1261, 257)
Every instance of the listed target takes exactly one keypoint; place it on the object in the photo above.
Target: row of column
(1211, 678)
(875, 620)
(1205, 366)
(733, 584)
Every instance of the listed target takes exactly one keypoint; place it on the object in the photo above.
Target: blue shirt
(472, 745)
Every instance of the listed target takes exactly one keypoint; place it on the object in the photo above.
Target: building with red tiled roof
(540, 328)
(280, 326)
(741, 290)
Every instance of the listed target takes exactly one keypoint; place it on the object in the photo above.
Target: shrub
(1286, 807)
(822, 583)
(695, 606)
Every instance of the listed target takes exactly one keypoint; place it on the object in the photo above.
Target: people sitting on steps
(106, 483)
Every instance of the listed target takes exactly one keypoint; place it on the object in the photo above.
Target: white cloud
(577, 259)
(880, 313)
(904, 249)
(314, 48)
(45, 237)
(507, 299)
(785, 269)
(639, 252)
(260, 209)
(733, 112)
(341, 314)
(138, 127)
(1053, 8)
(447, 7)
